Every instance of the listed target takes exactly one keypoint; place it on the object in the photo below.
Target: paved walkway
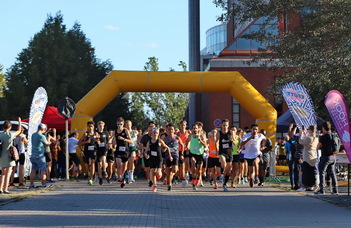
(79, 205)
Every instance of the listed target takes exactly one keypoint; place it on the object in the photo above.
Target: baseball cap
(42, 126)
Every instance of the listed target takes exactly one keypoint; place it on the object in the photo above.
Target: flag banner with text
(300, 104)
(337, 108)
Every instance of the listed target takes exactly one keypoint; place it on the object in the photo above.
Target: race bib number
(153, 153)
(172, 150)
(196, 148)
(225, 146)
(91, 148)
(102, 145)
(214, 152)
(131, 144)
(122, 148)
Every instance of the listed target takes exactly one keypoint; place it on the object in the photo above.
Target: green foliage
(2, 81)
(315, 52)
(60, 60)
(160, 107)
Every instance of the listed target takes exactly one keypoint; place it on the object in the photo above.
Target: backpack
(334, 144)
(13, 153)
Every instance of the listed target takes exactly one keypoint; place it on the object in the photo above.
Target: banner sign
(337, 108)
(300, 104)
(36, 113)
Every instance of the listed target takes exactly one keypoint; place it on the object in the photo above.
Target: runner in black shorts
(122, 154)
(184, 166)
(154, 155)
(172, 156)
(102, 150)
(110, 158)
(142, 146)
(89, 140)
(225, 139)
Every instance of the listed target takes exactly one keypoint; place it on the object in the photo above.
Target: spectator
(37, 158)
(309, 157)
(6, 163)
(20, 143)
(327, 159)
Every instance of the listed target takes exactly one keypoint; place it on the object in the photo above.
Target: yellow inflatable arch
(198, 82)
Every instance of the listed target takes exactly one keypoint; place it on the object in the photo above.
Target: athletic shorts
(186, 154)
(155, 162)
(100, 153)
(228, 157)
(198, 158)
(236, 158)
(74, 158)
(48, 157)
(170, 163)
(250, 162)
(38, 162)
(22, 159)
(241, 157)
(122, 155)
(146, 162)
(264, 160)
(213, 162)
(90, 154)
(130, 153)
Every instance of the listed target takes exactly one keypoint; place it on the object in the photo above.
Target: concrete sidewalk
(76, 204)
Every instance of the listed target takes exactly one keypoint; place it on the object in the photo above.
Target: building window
(236, 113)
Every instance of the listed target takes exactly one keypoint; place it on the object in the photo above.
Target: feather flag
(300, 104)
(337, 108)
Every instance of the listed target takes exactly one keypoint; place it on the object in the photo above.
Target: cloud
(153, 45)
(111, 27)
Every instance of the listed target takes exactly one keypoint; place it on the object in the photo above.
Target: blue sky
(125, 32)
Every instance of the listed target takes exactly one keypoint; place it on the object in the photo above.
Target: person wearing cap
(39, 142)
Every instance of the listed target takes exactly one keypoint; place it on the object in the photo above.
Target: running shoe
(100, 181)
(251, 183)
(165, 181)
(335, 193)
(31, 186)
(201, 184)
(197, 182)
(221, 178)
(169, 187)
(104, 174)
(21, 185)
(245, 179)
(256, 180)
(12, 185)
(242, 181)
(261, 184)
(108, 180)
(225, 189)
(211, 182)
(184, 183)
(233, 185)
(154, 188)
(46, 186)
(90, 182)
(215, 186)
(123, 184)
(150, 183)
(319, 192)
(194, 187)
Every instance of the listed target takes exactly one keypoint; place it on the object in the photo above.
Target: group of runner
(174, 154)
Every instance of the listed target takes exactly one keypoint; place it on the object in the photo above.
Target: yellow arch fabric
(199, 82)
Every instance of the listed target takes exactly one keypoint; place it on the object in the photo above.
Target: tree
(160, 107)
(60, 60)
(315, 51)
(2, 81)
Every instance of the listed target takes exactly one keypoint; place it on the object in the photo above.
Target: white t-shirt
(72, 145)
(252, 147)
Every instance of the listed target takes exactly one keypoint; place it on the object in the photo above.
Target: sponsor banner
(300, 104)
(36, 113)
(337, 108)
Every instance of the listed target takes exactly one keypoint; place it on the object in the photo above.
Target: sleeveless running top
(92, 145)
(236, 147)
(195, 146)
(133, 146)
(155, 149)
(102, 146)
(173, 144)
(225, 145)
(212, 148)
(184, 138)
(122, 146)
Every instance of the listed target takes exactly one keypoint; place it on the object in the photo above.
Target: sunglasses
(119, 124)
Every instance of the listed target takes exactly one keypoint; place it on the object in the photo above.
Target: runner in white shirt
(252, 143)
